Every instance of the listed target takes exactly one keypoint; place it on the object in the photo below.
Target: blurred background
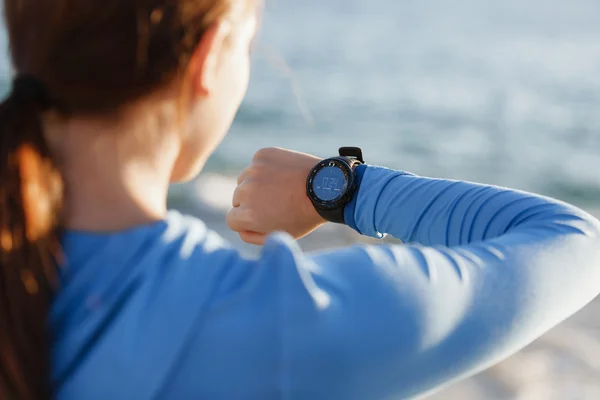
(502, 92)
(505, 92)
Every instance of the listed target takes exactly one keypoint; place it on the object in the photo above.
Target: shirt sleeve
(486, 271)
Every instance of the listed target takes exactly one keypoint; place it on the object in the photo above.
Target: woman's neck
(116, 175)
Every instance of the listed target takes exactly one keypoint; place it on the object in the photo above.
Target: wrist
(311, 213)
(308, 209)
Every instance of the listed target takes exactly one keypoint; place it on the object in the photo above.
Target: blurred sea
(503, 92)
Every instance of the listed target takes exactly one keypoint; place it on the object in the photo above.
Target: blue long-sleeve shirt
(171, 311)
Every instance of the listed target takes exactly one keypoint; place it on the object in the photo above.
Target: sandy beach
(562, 365)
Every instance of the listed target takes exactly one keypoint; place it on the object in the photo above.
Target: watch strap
(352, 153)
(335, 215)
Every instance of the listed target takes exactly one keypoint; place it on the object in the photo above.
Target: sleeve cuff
(359, 214)
(351, 208)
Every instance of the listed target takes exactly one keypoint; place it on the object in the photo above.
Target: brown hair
(75, 57)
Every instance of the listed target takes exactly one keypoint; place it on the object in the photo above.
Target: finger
(239, 195)
(253, 238)
(243, 175)
(239, 219)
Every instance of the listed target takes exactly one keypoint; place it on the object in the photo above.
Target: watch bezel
(346, 197)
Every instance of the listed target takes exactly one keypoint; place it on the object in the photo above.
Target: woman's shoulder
(134, 292)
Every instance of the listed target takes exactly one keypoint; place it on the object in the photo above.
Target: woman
(113, 101)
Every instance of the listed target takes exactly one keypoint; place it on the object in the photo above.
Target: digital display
(329, 183)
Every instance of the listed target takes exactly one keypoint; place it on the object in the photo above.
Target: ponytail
(30, 202)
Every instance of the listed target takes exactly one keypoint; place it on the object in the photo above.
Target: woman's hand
(271, 196)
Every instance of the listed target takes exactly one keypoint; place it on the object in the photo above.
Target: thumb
(253, 237)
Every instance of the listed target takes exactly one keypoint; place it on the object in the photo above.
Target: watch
(332, 183)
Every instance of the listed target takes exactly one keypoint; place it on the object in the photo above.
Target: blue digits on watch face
(329, 183)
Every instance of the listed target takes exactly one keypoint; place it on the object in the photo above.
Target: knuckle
(264, 153)
(259, 155)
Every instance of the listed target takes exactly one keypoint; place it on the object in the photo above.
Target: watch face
(329, 183)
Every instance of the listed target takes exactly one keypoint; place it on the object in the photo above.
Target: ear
(203, 66)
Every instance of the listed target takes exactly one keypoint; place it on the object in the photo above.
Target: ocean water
(503, 92)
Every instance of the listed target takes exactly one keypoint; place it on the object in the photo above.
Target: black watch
(332, 183)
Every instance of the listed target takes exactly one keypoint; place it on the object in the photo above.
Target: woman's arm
(506, 267)
(493, 270)
(443, 212)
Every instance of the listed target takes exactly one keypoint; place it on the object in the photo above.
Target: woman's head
(185, 60)
(96, 57)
